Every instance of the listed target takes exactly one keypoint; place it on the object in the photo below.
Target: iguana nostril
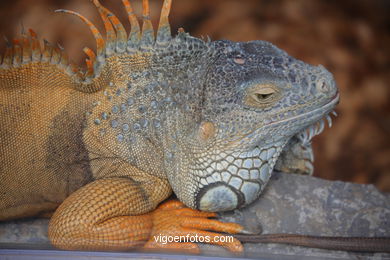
(322, 86)
(239, 60)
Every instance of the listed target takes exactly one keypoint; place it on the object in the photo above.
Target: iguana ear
(206, 131)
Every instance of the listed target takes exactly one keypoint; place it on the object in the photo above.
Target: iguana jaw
(297, 156)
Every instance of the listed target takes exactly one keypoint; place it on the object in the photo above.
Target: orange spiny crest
(121, 35)
(110, 32)
(116, 34)
(47, 51)
(147, 38)
(23, 50)
(35, 47)
(7, 58)
(74, 69)
(89, 61)
(164, 29)
(64, 59)
(16, 42)
(17, 53)
(89, 68)
(100, 44)
(135, 33)
(145, 9)
(33, 34)
(26, 50)
(56, 56)
(91, 55)
(166, 8)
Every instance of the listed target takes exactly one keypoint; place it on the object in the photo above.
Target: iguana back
(42, 155)
(45, 102)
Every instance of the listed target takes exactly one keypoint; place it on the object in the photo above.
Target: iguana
(151, 115)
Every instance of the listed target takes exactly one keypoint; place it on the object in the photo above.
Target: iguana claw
(176, 227)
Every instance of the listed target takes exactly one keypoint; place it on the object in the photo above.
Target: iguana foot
(176, 227)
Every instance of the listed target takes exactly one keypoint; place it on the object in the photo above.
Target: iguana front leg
(100, 215)
(104, 215)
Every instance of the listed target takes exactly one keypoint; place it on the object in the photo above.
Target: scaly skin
(206, 120)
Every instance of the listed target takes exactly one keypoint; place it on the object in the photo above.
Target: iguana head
(250, 101)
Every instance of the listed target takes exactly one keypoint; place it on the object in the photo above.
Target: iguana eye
(261, 95)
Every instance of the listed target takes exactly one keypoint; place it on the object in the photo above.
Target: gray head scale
(252, 100)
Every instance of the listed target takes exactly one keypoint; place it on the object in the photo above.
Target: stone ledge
(290, 204)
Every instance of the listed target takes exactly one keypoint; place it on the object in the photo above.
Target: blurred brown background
(350, 38)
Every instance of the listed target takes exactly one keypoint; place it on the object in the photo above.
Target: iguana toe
(176, 227)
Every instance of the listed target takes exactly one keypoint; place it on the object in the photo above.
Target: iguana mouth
(308, 115)
(315, 129)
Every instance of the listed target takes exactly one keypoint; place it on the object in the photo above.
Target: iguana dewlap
(206, 120)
